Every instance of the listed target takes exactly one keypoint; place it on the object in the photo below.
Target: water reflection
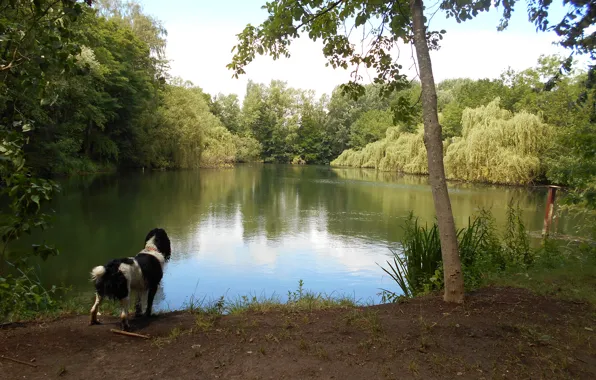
(257, 228)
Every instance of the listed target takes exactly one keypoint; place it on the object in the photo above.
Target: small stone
(588, 329)
(249, 352)
(457, 325)
(459, 374)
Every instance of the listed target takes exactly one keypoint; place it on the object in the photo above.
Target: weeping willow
(497, 146)
(219, 149)
(398, 151)
(193, 137)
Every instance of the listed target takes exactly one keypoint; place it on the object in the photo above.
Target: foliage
(562, 269)
(370, 126)
(483, 251)
(20, 212)
(402, 152)
(572, 162)
(498, 147)
(577, 35)
(459, 94)
(562, 140)
(38, 51)
(248, 149)
(421, 249)
(227, 109)
(516, 247)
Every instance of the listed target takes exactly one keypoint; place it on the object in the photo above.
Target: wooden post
(548, 215)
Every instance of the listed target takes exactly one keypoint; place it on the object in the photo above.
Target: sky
(201, 34)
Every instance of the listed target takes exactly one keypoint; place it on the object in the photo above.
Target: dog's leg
(124, 304)
(144, 295)
(138, 305)
(94, 310)
(152, 291)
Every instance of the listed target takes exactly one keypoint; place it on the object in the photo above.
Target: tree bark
(453, 277)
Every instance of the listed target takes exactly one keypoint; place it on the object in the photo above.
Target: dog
(141, 274)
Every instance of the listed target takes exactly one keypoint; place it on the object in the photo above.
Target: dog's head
(161, 241)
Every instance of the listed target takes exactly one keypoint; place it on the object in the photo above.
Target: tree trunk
(453, 277)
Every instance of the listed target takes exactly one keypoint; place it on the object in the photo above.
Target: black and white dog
(141, 274)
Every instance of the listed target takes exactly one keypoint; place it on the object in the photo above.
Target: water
(256, 229)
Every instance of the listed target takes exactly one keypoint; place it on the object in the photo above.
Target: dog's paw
(96, 322)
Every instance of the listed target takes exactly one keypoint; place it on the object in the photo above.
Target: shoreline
(497, 331)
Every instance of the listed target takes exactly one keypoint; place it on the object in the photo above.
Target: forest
(90, 91)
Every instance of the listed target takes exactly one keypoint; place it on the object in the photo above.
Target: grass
(174, 334)
(570, 276)
(298, 301)
(366, 320)
(206, 310)
(493, 258)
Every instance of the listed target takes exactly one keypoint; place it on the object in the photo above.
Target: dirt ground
(499, 333)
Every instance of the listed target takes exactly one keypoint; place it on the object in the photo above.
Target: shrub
(417, 269)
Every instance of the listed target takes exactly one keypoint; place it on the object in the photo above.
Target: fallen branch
(129, 334)
(18, 361)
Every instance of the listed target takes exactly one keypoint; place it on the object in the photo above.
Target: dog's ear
(161, 241)
(150, 235)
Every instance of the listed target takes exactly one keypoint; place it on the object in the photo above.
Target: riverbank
(498, 333)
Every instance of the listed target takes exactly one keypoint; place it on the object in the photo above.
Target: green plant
(418, 270)
(479, 247)
(296, 295)
(516, 244)
(421, 250)
(21, 292)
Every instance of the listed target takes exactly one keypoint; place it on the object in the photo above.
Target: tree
(577, 34)
(227, 108)
(397, 20)
(308, 145)
(37, 49)
(453, 278)
(466, 94)
(370, 127)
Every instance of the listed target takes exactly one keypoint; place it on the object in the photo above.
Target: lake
(257, 229)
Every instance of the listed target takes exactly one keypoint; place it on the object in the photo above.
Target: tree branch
(323, 12)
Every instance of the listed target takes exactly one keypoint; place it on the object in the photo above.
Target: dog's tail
(97, 272)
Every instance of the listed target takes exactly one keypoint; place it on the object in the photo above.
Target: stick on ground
(18, 361)
(129, 334)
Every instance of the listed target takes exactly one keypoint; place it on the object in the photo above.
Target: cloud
(200, 53)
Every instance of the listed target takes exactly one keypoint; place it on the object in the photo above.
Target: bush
(22, 195)
(417, 269)
(413, 271)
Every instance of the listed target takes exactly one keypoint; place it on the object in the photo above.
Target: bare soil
(502, 333)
